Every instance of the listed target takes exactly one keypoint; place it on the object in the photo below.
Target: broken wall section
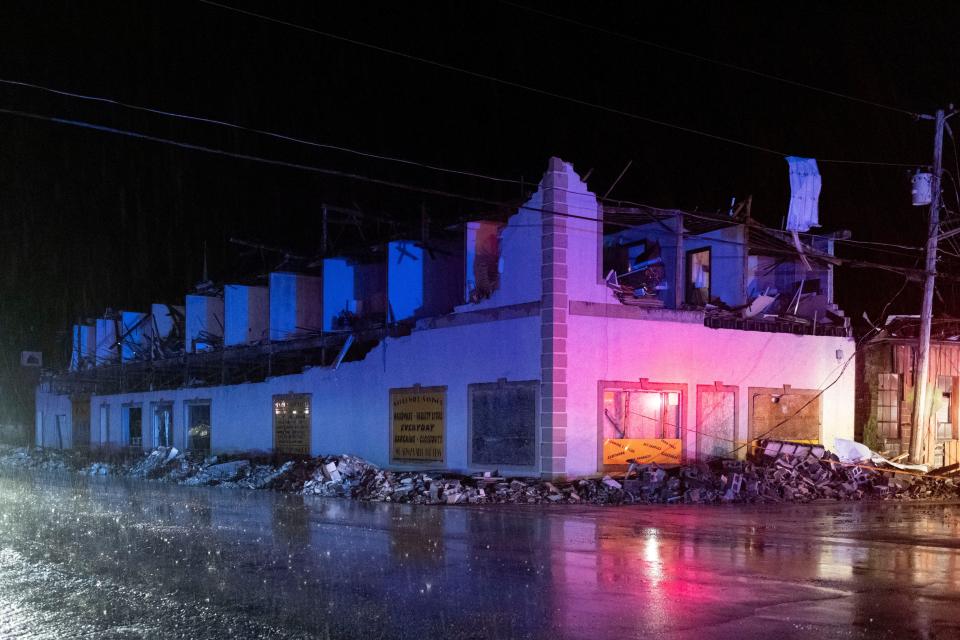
(516, 279)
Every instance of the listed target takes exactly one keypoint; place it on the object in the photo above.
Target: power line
(719, 63)
(718, 218)
(240, 127)
(858, 347)
(388, 183)
(536, 90)
(241, 156)
(288, 138)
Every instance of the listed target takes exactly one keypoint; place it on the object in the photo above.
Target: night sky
(92, 219)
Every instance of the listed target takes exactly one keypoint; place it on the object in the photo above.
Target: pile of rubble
(789, 472)
(776, 472)
(171, 465)
(36, 459)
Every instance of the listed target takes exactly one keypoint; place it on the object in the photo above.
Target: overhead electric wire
(702, 58)
(721, 218)
(241, 156)
(536, 90)
(500, 205)
(262, 132)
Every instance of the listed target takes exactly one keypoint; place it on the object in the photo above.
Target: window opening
(888, 406)
(698, 276)
(944, 407)
(635, 413)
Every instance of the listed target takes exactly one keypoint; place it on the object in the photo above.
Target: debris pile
(790, 472)
(779, 472)
(35, 459)
(97, 469)
(156, 464)
(171, 465)
(776, 472)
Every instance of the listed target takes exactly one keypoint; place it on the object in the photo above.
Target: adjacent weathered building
(886, 384)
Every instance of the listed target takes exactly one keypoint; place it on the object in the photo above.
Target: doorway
(163, 424)
(133, 417)
(716, 421)
(198, 427)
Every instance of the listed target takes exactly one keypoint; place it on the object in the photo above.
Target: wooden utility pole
(920, 437)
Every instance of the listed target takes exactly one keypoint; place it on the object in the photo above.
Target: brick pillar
(553, 322)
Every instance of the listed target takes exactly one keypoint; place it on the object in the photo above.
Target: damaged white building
(563, 342)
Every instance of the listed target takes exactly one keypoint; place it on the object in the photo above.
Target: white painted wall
(726, 263)
(584, 238)
(350, 409)
(620, 349)
(339, 290)
(204, 313)
(247, 314)
(48, 407)
(296, 305)
(520, 257)
(106, 333)
(84, 348)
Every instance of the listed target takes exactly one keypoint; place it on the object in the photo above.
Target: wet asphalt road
(107, 558)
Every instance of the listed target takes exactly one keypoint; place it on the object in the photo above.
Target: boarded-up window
(503, 423)
(888, 405)
(785, 414)
(291, 423)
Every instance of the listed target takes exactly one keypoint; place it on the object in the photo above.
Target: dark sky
(91, 219)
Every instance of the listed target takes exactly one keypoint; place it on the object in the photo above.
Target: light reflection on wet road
(108, 558)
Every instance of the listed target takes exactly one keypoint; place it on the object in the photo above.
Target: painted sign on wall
(418, 424)
(642, 450)
(291, 423)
